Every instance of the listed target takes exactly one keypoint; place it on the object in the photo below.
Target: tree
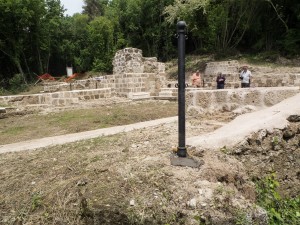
(78, 43)
(29, 34)
(94, 8)
(51, 32)
(141, 24)
(17, 23)
(220, 25)
(234, 20)
(101, 46)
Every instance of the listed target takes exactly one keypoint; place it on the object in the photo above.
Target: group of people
(245, 77)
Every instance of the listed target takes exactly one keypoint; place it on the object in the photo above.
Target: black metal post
(181, 149)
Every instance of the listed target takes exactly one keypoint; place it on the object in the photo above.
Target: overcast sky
(72, 6)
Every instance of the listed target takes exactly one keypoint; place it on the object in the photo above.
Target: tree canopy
(36, 37)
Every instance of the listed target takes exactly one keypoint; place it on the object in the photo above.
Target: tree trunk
(40, 63)
(26, 64)
(20, 69)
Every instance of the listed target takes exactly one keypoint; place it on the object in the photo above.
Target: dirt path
(228, 135)
(246, 124)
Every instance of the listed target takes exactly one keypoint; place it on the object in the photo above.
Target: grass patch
(79, 120)
(13, 130)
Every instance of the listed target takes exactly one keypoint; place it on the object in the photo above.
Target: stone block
(139, 95)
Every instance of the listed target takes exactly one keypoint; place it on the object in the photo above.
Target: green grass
(31, 126)
(13, 130)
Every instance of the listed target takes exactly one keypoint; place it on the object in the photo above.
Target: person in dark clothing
(220, 81)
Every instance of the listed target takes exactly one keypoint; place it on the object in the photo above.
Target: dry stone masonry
(131, 60)
(240, 100)
(138, 77)
(134, 76)
(262, 76)
(62, 98)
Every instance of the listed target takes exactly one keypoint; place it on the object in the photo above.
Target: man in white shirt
(245, 77)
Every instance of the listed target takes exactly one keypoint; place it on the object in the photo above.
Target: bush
(17, 84)
(280, 211)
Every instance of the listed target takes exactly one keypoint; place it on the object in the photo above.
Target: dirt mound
(277, 152)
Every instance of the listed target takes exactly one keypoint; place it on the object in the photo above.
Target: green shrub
(17, 84)
(280, 211)
(2, 91)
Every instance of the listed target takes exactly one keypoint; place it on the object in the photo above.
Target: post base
(185, 161)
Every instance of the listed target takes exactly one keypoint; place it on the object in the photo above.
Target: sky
(72, 6)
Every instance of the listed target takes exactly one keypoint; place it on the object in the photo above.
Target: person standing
(245, 77)
(196, 79)
(220, 81)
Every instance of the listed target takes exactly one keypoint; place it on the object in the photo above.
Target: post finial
(181, 25)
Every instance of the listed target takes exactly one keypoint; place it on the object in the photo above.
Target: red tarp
(46, 76)
(71, 77)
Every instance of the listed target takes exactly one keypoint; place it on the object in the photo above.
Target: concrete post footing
(185, 161)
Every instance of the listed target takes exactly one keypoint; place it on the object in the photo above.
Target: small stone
(2, 110)
(125, 149)
(288, 134)
(132, 203)
(81, 183)
(192, 203)
(294, 118)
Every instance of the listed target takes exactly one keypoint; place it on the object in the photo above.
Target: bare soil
(128, 179)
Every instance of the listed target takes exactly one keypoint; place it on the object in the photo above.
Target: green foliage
(291, 43)
(36, 201)
(94, 8)
(99, 65)
(16, 84)
(280, 211)
(183, 10)
(241, 218)
(141, 23)
(13, 130)
(275, 140)
(36, 38)
(101, 44)
(224, 149)
(2, 91)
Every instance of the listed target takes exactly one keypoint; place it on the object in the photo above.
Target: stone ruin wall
(241, 99)
(132, 73)
(131, 60)
(262, 76)
(128, 60)
(62, 98)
